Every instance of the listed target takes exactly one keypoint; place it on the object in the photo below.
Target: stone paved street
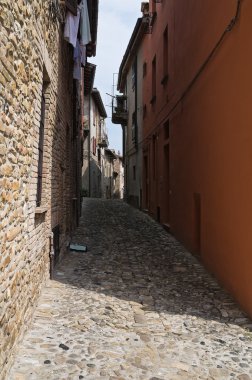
(137, 305)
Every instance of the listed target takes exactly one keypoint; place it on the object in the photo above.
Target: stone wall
(118, 169)
(32, 51)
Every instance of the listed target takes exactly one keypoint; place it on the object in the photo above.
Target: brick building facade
(40, 155)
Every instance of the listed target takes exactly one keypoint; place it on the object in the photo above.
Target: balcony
(148, 21)
(119, 110)
(85, 123)
(103, 141)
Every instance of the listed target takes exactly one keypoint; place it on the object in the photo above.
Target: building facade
(40, 155)
(95, 142)
(196, 132)
(108, 174)
(118, 174)
(128, 111)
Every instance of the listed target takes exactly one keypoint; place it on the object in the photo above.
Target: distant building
(118, 175)
(108, 174)
(128, 111)
(95, 142)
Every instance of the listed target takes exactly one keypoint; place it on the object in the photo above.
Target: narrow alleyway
(135, 306)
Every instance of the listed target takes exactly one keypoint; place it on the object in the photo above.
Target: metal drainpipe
(52, 255)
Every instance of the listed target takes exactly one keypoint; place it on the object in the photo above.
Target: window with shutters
(153, 81)
(133, 128)
(144, 69)
(41, 149)
(99, 156)
(165, 57)
(134, 74)
(94, 146)
(134, 172)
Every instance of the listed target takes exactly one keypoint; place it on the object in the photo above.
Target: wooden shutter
(72, 6)
(94, 145)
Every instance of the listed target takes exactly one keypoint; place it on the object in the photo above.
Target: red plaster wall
(210, 144)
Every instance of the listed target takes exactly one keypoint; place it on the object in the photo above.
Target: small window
(165, 56)
(134, 73)
(134, 172)
(134, 126)
(94, 146)
(154, 80)
(167, 130)
(41, 148)
(153, 6)
(144, 69)
(144, 111)
(133, 76)
(154, 156)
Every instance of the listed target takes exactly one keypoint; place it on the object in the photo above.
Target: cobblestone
(137, 305)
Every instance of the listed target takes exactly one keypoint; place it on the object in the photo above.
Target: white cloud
(116, 22)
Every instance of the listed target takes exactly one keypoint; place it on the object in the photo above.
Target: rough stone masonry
(32, 52)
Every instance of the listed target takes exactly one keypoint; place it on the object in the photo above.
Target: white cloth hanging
(83, 54)
(77, 62)
(85, 35)
(72, 27)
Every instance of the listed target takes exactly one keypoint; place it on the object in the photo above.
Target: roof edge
(98, 100)
(135, 39)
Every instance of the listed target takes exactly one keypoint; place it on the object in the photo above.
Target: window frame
(41, 148)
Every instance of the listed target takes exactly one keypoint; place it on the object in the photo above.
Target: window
(41, 149)
(167, 130)
(94, 146)
(134, 172)
(134, 73)
(153, 82)
(144, 69)
(165, 56)
(154, 155)
(153, 6)
(134, 126)
(144, 111)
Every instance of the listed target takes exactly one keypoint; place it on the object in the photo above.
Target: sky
(116, 21)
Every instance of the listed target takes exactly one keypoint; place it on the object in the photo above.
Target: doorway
(146, 181)
(166, 190)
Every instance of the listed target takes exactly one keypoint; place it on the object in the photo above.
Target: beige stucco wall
(133, 152)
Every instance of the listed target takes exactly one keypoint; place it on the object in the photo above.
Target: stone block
(12, 233)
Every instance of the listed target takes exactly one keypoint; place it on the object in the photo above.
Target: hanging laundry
(72, 27)
(84, 23)
(77, 70)
(77, 62)
(83, 54)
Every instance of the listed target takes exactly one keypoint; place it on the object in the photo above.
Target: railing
(119, 110)
(103, 141)
(148, 21)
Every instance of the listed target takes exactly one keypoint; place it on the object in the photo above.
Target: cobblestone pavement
(137, 305)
